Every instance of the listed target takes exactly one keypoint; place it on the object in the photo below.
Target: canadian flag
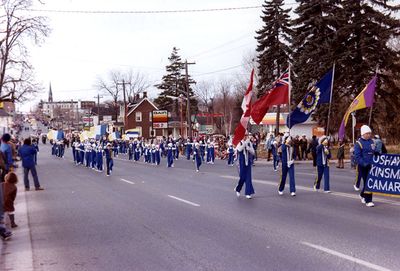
(240, 130)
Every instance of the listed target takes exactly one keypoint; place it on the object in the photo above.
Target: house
(139, 117)
(6, 122)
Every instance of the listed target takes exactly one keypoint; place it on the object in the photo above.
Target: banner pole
(290, 94)
(330, 101)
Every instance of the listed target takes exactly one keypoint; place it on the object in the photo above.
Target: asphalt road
(145, 217)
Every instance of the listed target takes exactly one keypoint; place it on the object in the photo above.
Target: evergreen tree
(369, 28)
(173, 84)
(274, 40)
(354, 35)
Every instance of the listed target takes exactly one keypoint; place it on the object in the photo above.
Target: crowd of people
(10, 151)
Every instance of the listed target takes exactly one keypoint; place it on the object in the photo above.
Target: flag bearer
(245, 153)
(197, 156)
(287, 166)
(364, 151)
(323, 156)
(231, 152)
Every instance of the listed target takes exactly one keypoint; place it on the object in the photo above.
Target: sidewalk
(16, 254)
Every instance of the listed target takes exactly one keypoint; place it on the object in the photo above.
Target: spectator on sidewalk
(340, 154)
(268, 146)
(9, 195)
(4, 233)
(27, 153)
(6, 149)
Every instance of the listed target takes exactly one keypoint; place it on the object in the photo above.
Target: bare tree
(223, 103)
(135, 83)
(17, 27)
(205, 91)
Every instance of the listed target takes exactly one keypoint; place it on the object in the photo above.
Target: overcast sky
(82, 47)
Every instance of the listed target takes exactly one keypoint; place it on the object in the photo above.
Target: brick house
(139, 116)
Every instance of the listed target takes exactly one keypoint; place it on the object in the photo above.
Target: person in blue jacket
(231, 152)
(245, 153)
(27, 153)
(287, 166)
(364, 151)
(5, 148)
(323, 156)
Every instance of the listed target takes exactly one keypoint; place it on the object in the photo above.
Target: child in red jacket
(9, 195)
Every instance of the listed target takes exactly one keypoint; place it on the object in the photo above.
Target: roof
(137, 104)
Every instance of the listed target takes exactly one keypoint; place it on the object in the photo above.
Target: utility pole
(123, 89)
(98, 107)
(189, 120)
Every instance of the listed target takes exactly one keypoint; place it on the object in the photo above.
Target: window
(151, 131)
(150, 116)
(138, 116)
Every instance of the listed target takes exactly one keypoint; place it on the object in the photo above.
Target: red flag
(240, 130)
(279, 94)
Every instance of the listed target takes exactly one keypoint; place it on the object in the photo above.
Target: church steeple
(50, 94)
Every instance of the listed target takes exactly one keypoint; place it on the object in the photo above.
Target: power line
(142, 11)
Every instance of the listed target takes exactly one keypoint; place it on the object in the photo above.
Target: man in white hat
(364, 151)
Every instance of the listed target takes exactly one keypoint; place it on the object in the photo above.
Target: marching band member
(109, 159)
(197, 157)
(99, 158)
(188, 149)
(287, 166)
(202, 150)
(231, 152)
(245, 153)
(158, 155)
(170, 158)
(323, 156)
(93, 156)
(130, 151)
(275, 155)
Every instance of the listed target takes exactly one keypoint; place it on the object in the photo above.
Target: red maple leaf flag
(240, 130)
(278, 94)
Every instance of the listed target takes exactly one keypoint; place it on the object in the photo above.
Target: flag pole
(372, 105)
(290, 93)
(330, 101)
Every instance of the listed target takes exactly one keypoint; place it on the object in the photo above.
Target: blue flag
(320, 93)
